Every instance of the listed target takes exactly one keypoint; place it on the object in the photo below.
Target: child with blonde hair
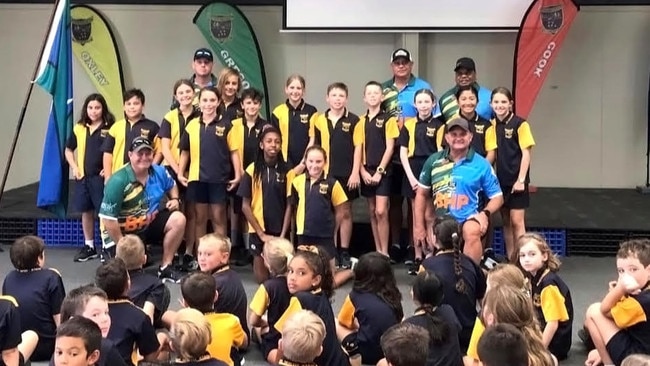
(189, 338)
(551, 296)
(272, 297)
(636, 360)
(302, 338)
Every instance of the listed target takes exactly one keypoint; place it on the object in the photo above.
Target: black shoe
(410, 255)
(585, 337)
(85, 254)
(414, 268)
(107, 254)
(395, 253)
(345, 260)
(168, 274)
(188, 263)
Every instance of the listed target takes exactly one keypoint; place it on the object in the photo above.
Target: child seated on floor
(618, 325)
(89, 301)
(214, 258)
(199, 292)
(405, 344)
(189, 339)
(130, 328)
(302, 338)
(503, 345)
(38, 291)
(16, 348)
(78, 343)
(272, 297)
(147, 291)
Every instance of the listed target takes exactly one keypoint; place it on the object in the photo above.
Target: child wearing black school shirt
(16, 348)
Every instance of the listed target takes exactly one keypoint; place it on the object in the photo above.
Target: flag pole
(23, 110)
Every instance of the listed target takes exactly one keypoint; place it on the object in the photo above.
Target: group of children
(130, 309)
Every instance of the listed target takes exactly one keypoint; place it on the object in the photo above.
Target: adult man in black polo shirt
(203, 77)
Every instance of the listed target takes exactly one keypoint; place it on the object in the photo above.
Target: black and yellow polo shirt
(88, 144)
(513, 135)
(373, 132)
(315, 201)
(297, 127)
(421, 137)
(338, 140)
(172, 128)
(249, 139)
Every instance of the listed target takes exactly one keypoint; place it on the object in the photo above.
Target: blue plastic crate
(556, 239)
(67, 232)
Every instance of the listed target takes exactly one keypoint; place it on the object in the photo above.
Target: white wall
(606, 58)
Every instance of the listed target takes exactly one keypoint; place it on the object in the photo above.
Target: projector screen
(404, 15)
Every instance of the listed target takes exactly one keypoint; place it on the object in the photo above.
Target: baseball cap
(465, 63)
(401, 52)
(458, 122)
(203, 53)
(140, 143)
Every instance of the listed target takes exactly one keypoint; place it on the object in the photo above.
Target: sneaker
(353, 263)
(414, 268)
(395, 253)
(585, 337)
(168, 274)
(345, 261)
(85, 254)
(188, 263)
(410, 255)
(107, 254)
(337, 260)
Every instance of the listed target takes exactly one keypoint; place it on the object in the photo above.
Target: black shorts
(181, 188)
(381, 189)
(416, 167)
(256, 244)
(269, 342)
(370, 353)
(324, 244)
(236, 202)
(396, 178)
(516, 200)
(208, 193)
(351, 194)
(88, 193)
(155, 231)
(164, 306)
(622, 345)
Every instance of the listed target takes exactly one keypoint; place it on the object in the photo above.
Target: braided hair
(448, 237)
(260, 163)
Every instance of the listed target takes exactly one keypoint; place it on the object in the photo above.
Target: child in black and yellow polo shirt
(335, 131)
(87, 138)
(264, 189)
(210, 148)
(377, 131)
(124, 131)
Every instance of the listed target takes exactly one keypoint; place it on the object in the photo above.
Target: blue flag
(55, 77)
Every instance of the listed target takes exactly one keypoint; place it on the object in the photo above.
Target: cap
(458, 122)
(465, 63)
(140, 143)
(203, 53)
(401, 53)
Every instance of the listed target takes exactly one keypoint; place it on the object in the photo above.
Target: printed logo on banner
(221, 27)
(552, 18)
(81, 30)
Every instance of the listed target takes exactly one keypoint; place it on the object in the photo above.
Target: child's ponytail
(461, 286)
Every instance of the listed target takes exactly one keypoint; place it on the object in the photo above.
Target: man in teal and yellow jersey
(123, 132)
(465, 75)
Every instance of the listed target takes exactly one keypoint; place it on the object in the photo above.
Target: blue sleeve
(489, 181)
(484, 109)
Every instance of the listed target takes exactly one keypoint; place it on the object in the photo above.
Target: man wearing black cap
(465, 70)
(131, 205)
(203, 76)
(454, 177)
(398, 100)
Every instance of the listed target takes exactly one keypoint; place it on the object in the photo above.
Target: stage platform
(593, 221)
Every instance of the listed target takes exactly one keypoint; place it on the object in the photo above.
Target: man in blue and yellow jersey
(465, 75)
(454, 177)
(131, 205)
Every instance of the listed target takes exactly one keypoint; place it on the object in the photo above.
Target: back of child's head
(513, 305)
(303, 334)
(552, 262)
(636, 248)
(503, 345)
(319, 263)
(636, 359)
(77, 332)
(198, 290)
(130, 249)
(374, 274)
(507, 275)
(221, 242)
(428, 294)
(113, 277)
(405, 344)
(74, 303)
(26, 252)
(277, 253)
(448, 237)
(190, 334)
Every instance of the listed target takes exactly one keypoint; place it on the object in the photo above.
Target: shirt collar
(468, 157)
(299, 108)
